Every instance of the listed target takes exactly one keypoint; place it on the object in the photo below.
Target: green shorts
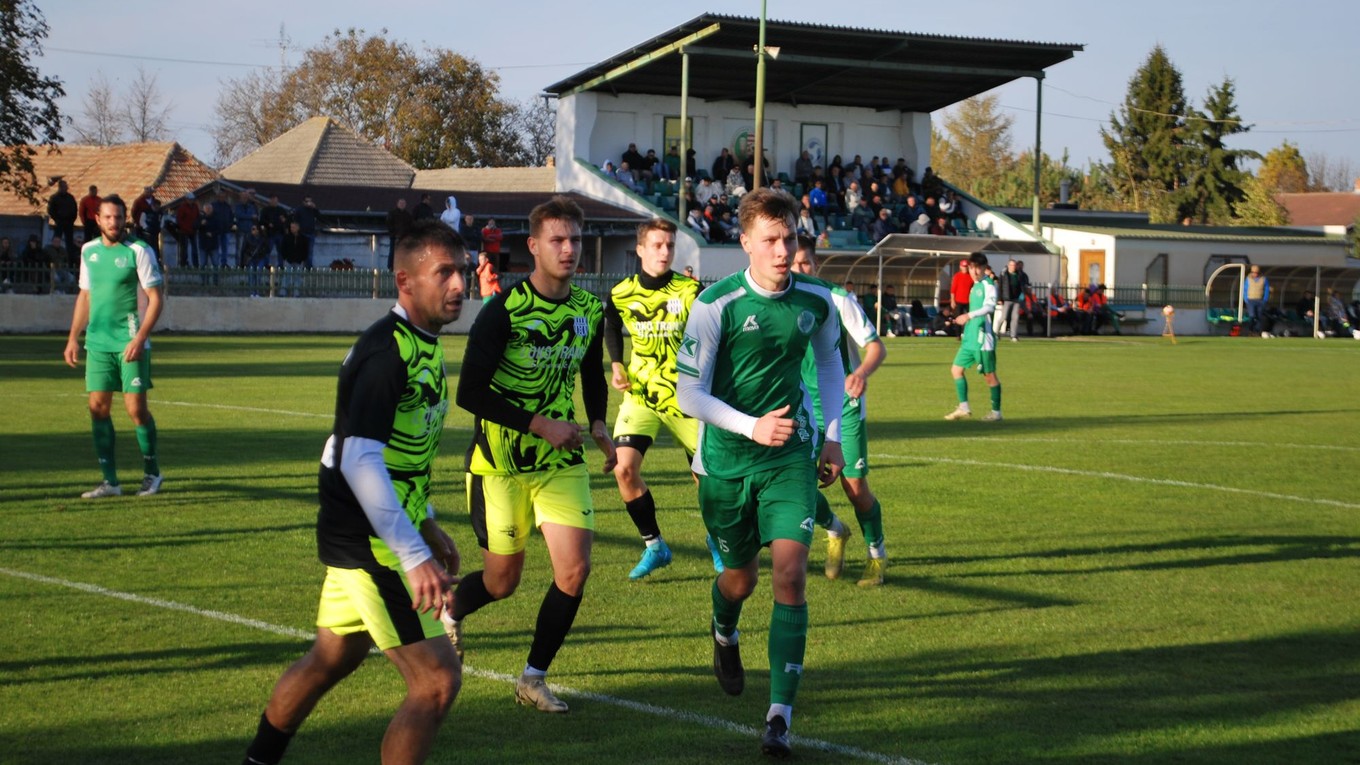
(854, 440)
(638, 425)
(744, 514)
(376, 601)
(106, 371)
(969, 357)
(505, 507)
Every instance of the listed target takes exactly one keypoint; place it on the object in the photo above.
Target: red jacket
(89, 207)
(491, 240)
(186, 217)
(960, 287)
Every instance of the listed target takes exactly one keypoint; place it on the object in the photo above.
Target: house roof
(818, 64)
(1245, 234)
(1327, 208)
(542, 180)
(321, 152)
(125, 170)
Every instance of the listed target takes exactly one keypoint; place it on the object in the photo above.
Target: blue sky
(1294, 64)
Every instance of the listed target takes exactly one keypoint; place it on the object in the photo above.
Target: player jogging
(117, 345)
(854, 439)
(526, 463)
(978, 346)
(389, 567)
(759, 458)
(653, 306)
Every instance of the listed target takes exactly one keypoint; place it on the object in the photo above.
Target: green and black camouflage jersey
(523, 354)
(111, 275)
(654, 311)
(393, 389)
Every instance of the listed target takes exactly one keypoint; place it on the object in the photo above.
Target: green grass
(1155, 558)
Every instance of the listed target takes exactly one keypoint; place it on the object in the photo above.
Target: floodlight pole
(759, 158)
(1038, 138)
(684, 124)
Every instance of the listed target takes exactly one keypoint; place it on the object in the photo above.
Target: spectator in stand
(706, 191)
(307, 217)
(223, 222)
(817, 201)
(148, 223)
(293, 258)
(802, 169)
(883, 226)
(942, 227)
(748, 176)
(920, 226)
(897, 317)
(63, 210)
(423, 209)
(254, 256)
(690, 169)
(1336, 314)
(89, 211)
(724, 165)
(806, 225)
(472, 237)
(875, 195)
(632, 158)
(913, 209)
(918, 317)
(247, 213)
(1306, 306)
(835, 189)
(207, 235)
(736, 184)
(1100, 305)
(624, 175)
(1256, 293)
(647, 170)
(488, 280)
(852, 169)
(696, 221)
(1086, 310)
(1010, 299)
(672, 163)
(186, 231)
(399, 221)
(274, 223)
(139, 206)
(452, 216)
(1059, 310)
(729, 225)
(862, 218)
(853, 195)
(931, 185)
(7, 264)
(492, 237)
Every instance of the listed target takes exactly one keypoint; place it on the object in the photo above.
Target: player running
(654, 306)
(117, 344)
(854, 440)
(978, 346)
(758, 460)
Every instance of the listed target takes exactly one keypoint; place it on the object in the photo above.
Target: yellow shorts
(638, 425)
(376, 601)
(503, 506)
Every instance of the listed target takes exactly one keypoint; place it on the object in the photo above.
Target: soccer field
(1154, 558)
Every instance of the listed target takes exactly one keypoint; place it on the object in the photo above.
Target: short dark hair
(655, 224)
(766, 203)
(429, 232)
(557, 208)
(808, 242)
(979, 260)
(114, 199)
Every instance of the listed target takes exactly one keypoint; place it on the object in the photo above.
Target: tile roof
(321, 152)
(1328, 208)
(124, 169)
(490, 179)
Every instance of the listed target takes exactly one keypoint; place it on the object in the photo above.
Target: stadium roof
(818, 64)
(1255, 234)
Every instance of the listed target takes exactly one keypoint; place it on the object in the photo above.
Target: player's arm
(695, 362)
(988, 301)
(79, 318)
(613, 340)
(829, 368)
(149, 278)
(595, 393)
(857, 325)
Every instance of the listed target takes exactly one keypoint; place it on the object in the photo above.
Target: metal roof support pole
(684, 131)
(1038, 138)
(759, 158)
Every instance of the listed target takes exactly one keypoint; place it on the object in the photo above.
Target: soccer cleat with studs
(992, 416)
(835, 552)
(104, 489)
(727, 667)
(654, 557)
(959, 414)
(775, 741)
(534, 692)
(874, 571)
(151, 484)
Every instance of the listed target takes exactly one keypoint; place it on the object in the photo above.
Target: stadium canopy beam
(887, 66)
(643, 60)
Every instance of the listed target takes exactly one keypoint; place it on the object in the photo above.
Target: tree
(1015, 186)
(28, 100)
(975, 148)
(1330, 174)
(435, 108)
(1215, 179)
(99, 123)
(1258, 206)
(1283, 170)
(1146, 140)
(536, 123)
(142, 115)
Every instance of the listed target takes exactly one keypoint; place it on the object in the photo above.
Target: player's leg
(634, 430)
(136, 381)
(433, 675)
(855, 482)
(566, 518)
(728, 510)
(102, 378)
(501, 503)
(988, 365)
(962, 360)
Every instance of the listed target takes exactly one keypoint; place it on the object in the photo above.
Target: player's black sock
(643, 512)
(555, 617)
(268, 746)
(470, 595)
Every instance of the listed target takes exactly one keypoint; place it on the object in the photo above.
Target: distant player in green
(978, 343)
(526, 463)
(653, 306)
(760, 457)
(389, 566)
(854, 439)
(117, 345)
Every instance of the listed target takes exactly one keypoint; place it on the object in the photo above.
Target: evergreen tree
(1215, 178)
(1146, 140)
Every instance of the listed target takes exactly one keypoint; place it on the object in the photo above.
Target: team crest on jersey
(805, 322)
(582, 326)
(120, 262)
(674, 305)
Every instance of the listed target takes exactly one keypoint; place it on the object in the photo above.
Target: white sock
(727, 640)
(780, 710)
(964, 407)
(837, 528)
(653, 542)
(534, 671)
(878, 551)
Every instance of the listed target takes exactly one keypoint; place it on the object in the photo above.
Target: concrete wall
(52, 313)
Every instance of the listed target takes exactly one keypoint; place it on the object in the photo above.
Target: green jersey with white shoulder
(111, 275)
(977, 333)
(741, 358)
(858, 330)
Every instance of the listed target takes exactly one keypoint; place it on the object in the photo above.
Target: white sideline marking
(1123, 477)
(1161, 442)
(636, 706)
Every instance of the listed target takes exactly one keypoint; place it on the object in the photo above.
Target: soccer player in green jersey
(389, 566)
(760, 459)
(978, 343)
(653, 305)
(854, 440)
(526, 463)
(117, 348)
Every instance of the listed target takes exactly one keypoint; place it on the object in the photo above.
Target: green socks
(995, 390)
(961, 387)
(146, 439)
(788, 642)
(103, 448)
(824, 517)
(725, 613)
(871, 525)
